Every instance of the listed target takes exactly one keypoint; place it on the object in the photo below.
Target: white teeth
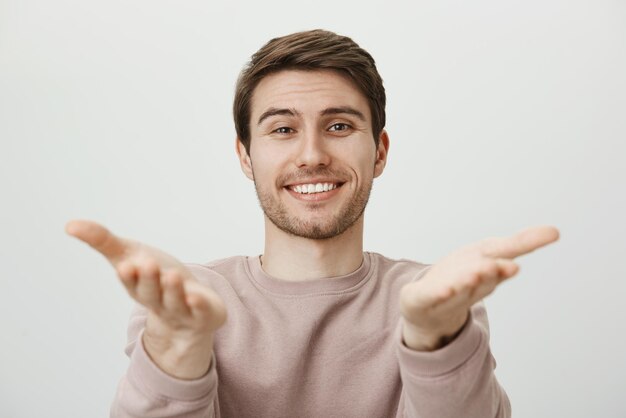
(313, 188)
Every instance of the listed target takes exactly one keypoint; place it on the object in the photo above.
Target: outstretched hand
(183, 314)
(436, 307)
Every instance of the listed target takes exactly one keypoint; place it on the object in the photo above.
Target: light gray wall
(502, 114)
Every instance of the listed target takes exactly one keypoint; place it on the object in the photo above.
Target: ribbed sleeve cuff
(144, 374)
(426, 364)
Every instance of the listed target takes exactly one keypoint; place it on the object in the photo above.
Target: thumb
(98, 237)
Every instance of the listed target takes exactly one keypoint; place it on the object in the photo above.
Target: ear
(244, 159)
(381, 153)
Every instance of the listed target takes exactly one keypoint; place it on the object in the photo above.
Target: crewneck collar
(327, 285)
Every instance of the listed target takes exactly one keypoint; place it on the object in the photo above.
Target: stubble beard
(330, 227)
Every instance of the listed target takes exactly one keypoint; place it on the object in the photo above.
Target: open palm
(436, 306)
(182, 312)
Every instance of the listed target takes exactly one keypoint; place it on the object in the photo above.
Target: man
(316, 327)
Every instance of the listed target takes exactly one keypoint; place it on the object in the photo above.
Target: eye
(283, 130)
(339, 127)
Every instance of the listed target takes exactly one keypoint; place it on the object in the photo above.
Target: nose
(312, 150)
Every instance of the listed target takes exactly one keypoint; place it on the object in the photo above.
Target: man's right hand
(182, 313)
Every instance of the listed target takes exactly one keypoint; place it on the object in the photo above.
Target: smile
(313, 188)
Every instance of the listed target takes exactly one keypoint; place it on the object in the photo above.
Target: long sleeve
(146, 391)
(455, 381)
(318, 348)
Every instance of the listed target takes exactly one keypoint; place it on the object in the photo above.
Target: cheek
(266, 168)
(260, 171)
(363, 161)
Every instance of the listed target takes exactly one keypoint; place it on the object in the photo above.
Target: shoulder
(390, 275)
(404, 269)
(221, 270)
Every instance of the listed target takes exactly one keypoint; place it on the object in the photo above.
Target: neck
(289, 257)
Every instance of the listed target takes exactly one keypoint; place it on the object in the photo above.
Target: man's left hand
(436, 307)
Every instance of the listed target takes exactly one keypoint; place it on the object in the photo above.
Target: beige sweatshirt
(320, 348)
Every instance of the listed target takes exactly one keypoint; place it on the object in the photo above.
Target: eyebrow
(341, 110)
(272, 111)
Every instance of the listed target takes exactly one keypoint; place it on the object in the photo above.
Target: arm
(456, 380)
(446, 364)
(147, 391)
(172, 371)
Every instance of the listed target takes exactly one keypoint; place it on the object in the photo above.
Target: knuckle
(151, 264)
(491, 268)
(171, 280)
(475, 276)
(149, 267)
(123, 270)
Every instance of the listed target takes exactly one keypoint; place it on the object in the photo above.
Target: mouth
(314, 191)
(311, 188)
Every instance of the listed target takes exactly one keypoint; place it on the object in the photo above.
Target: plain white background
(502, 114)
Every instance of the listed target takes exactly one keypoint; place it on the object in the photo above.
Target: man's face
(312, 152)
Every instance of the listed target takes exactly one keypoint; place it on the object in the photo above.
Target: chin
(314, 230)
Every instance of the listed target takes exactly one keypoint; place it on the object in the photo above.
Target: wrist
(421, 339)
(183, 354)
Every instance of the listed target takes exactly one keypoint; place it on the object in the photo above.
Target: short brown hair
(311, 50)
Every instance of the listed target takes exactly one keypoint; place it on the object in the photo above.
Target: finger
(98, 237)
(418, 296)
(198, 302)
(507, 268)
(128, 275)
(148, 290)
(202, 301)
(481, 280)
(490, 270)
(504, 269)
(485, 273)
(519, 244)
(174, 295)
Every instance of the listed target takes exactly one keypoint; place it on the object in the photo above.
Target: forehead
(307, 91)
